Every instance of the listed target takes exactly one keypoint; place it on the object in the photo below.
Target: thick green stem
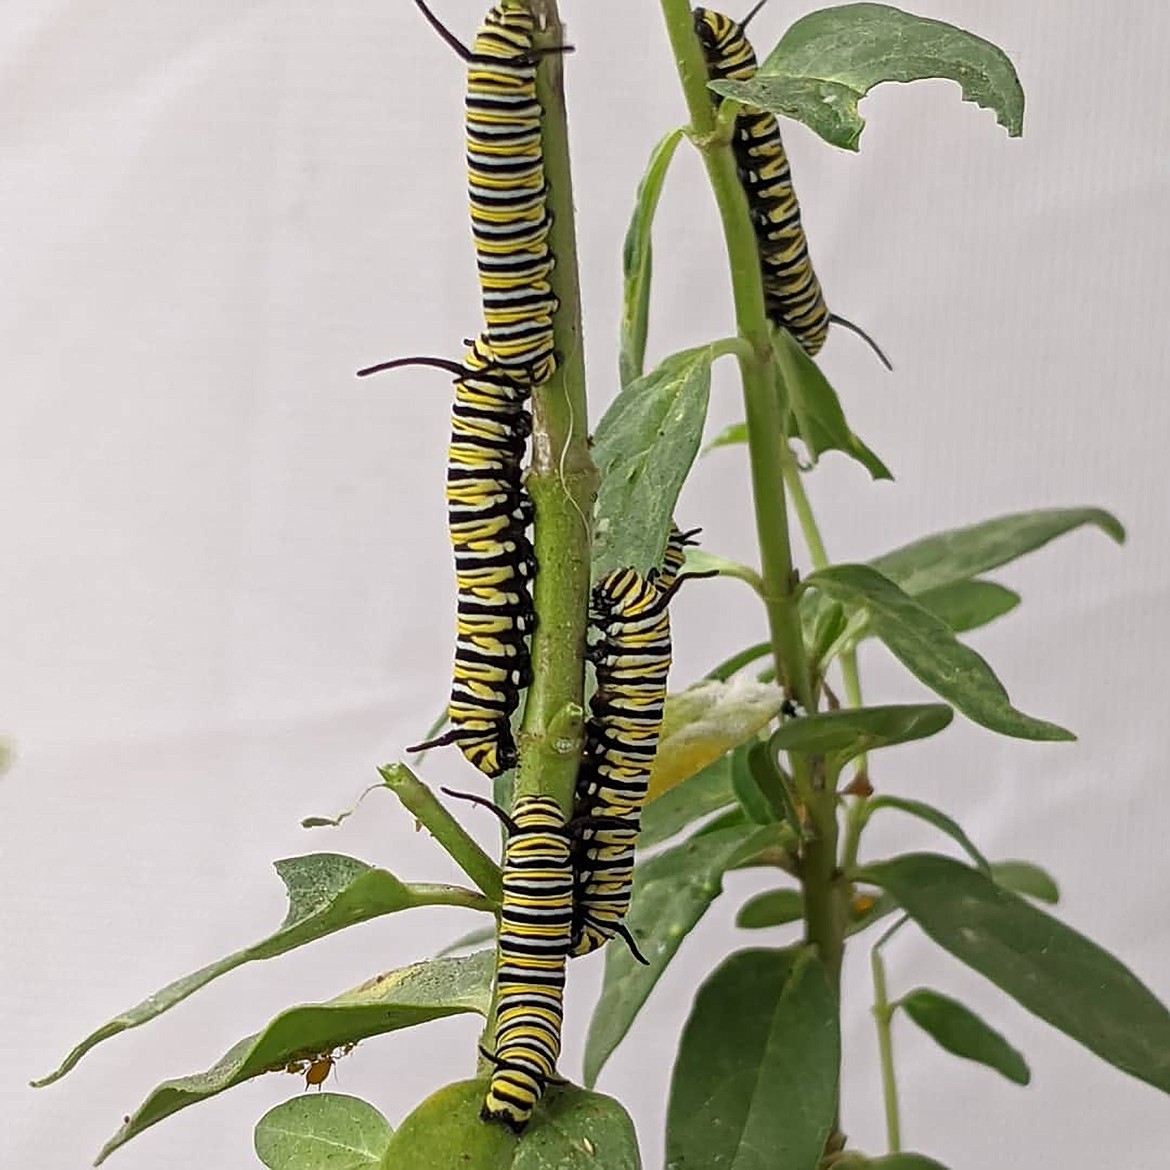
(562, 480)
(418, 799)
(768, 453)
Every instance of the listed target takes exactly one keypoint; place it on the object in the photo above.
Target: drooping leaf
(755, 1082)
(572, 1129)
(927, 646)
(705, 721)
(829, 60)
(1047, 967)
(853, 731)
(637, 259)
(728, 437)
(644, 446)
(326, 892)
(701, 794)
(1022, 877)
(817, 416)
(738, 661)
(325, 1131)
(773, 908)
(969, 605)
(466, 942)
(699, 560)
(757, 783)
(960, 1031)
(672, 891)
(935, 817)
(399, 999)
(961, 553)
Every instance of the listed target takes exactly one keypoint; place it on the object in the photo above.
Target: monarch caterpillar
(535, 923)
(632, 660)
(488, 511)
(792, 292)
(509, 215)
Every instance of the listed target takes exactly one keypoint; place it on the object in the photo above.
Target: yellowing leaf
(707, 720)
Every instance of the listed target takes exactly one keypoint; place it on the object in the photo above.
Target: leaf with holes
(829, 60)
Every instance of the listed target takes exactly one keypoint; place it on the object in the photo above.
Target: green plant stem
(422, 803)
(883, 1014)
(768, 452)
(562, 480)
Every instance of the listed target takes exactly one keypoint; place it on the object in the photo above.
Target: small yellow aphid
(862, 904)
(317, 1067)
(319, 1070)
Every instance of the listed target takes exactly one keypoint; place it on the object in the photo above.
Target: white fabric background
(225, 584)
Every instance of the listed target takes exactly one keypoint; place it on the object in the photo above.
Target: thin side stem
(883, 1014)
(422, 803)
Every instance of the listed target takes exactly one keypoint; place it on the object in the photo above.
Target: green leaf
(699, 560)
(1022, 877)
(854, 731)
(672, 891)
(815, 408)
(398, 999)
(473, 938)
(755, 1082)
(829, 60)
(758, 785)
(728, 437)
(961, 1032)
(927, 646)
(968, 605)
(960, 553)
(325, 1131)
(1050, 969)
(707, 720)
(737, 662)
(571, 1130)
(774, 908)
(701, 794)
(644, 446)
(935, 817)
(326, 892)
(637, 259)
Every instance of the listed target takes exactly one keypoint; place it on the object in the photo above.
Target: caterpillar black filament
(505, 161)
(535, 924)
(792, 291)
(488, 513)
(632, 660)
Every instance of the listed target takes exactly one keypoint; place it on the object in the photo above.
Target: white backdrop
(225, 590)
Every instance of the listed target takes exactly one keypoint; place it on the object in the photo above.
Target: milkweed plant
(771, 761)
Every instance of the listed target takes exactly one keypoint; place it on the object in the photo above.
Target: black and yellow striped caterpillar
(632, 660)
(509, 215)
(488, 513)
(536, 920)
(792, 292)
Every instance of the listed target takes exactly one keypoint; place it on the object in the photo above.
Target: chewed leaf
(326, 892)
(707, 720)
(829, 60)
(324, 1131)
(399, 999)
(644, 446)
